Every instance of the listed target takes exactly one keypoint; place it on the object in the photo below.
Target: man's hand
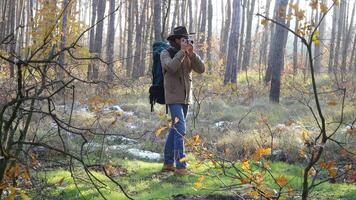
(190, 50)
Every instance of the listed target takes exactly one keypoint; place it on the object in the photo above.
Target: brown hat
(179, 31)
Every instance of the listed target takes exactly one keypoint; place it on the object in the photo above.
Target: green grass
(144, 181)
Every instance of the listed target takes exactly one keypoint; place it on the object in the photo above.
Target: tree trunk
(295, 47)
(353, 59)
(60, 72)
(190, 11)
(202, 29)
(110, 42)
(339, 35)
(99, 37)
(264, 43)
(268, 74)
(231, 64)
(157, 19)
(138, 54)
(318, 54)
(12, 46)
(248, 43)
(242, 33)
(130, 24)
(347, 41)
(92, 39)
(277, 61)
(175, 15)
(223, 45)
(210, 33)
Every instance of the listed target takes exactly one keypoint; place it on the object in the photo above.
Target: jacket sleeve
(171, 64)
(197, 64)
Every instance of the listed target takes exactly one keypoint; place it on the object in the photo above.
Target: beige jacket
(178, 76)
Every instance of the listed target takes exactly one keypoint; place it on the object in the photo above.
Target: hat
(179, 31)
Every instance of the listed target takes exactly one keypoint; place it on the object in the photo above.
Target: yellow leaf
(24, 196)
(160, 130)
(201, 178)
(302, 153)
(263, 151)
(315, 38)
(185, 159)
(323, 8)
(245, 165)
(268, 194)
(332, 172)
(281, 181)
(12, 194)
(305, 136)
(254, 194)
(26, 175)
(197, 185)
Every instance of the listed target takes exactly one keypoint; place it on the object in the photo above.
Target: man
(177, 72)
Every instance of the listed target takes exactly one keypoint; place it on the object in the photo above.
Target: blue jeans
(174, 148)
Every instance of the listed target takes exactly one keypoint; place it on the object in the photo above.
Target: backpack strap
(166, 109)
(172, 52)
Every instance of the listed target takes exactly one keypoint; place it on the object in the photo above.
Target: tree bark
(347, 41)
(277, 46)
(295, 47)
(210, 33)
(110, 42)
(60, 73)
(99, 37)
(268, 74)
(223, 45)
(92, 38)
(339, 35)
(248, 43)
(242, 33)
(138, 53)
(130, 33)
(157, 19)
(202, 29)
(231, 64)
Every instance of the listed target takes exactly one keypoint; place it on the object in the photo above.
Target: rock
(278, 155)
(143, 154)
(121, 140)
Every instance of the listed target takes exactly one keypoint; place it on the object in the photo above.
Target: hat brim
(172, 37)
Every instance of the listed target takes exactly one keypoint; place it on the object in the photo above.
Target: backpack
(157, 88)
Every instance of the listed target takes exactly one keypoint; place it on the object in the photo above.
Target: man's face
(180, 40)
(177, 40)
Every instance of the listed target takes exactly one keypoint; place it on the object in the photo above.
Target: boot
(168, 168)
(182, 171)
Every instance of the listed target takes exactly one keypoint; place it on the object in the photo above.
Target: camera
(188, 41)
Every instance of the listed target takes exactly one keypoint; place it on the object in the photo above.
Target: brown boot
(168, 168)
(182, 171)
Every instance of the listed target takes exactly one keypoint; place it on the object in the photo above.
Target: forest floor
(240, 123)
(144, 180)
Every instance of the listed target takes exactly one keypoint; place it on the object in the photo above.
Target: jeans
(174, 147)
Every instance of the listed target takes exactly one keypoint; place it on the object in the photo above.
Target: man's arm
(197, 64)
(171, 64)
